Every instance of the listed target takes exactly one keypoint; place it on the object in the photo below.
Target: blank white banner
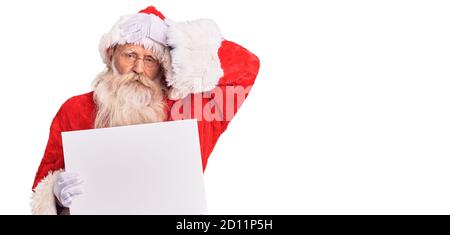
(141, 169)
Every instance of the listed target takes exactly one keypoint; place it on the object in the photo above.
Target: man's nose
(138, 67)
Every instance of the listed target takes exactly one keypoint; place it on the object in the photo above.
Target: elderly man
(156, 70)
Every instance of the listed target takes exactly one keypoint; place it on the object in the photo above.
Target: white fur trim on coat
(42, 200)
(195, 61)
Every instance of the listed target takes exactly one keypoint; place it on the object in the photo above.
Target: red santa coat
(240, 68)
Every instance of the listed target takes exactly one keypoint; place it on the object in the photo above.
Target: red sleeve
(53, 159)
(240, 68)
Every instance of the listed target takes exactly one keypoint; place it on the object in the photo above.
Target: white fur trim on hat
(42, 199)
(141, 29)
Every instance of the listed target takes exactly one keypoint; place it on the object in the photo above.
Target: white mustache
(141, 79)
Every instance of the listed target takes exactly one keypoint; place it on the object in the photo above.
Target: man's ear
(109, 56)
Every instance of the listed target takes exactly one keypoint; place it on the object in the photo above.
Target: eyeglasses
(132, 57)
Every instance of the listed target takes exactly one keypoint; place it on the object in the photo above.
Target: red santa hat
(187, 51)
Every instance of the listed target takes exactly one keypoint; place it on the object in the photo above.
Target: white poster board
(142, 169)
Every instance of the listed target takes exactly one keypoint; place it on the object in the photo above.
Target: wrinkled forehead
(139, 49)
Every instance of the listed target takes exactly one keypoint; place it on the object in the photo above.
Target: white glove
(67, 187)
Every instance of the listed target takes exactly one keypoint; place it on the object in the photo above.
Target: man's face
(134, 58)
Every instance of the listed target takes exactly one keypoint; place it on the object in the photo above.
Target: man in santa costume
(156, 70)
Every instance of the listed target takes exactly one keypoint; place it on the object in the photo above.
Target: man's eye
(131, 56)
(149, 60)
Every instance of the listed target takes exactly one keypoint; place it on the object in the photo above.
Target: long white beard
(129, 99)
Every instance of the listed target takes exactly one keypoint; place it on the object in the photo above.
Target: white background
(350, 113)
